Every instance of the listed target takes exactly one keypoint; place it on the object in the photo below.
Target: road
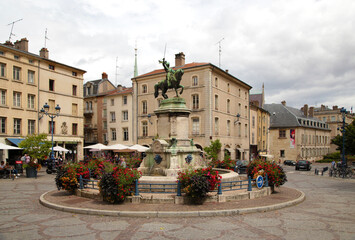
(327, 213)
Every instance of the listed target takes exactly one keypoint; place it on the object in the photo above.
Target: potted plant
(31, 169)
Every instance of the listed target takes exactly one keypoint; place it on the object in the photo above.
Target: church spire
(135, 62)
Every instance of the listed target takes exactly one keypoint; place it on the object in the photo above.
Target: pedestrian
(123, 162)
(333, 164)
(27, 158)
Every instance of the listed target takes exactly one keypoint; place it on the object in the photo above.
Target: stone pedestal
(172, 151)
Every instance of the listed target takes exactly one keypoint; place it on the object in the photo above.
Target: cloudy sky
(302, 50)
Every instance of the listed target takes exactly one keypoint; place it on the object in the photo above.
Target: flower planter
(31, 172)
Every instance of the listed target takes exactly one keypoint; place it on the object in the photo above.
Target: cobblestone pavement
(327, 213)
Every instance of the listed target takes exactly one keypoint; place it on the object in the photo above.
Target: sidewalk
(63, 201)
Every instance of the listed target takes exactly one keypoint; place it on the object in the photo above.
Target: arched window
(228, 87)
(228, 105)
(216, 82)
(216, 102)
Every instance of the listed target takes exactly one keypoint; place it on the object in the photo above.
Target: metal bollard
(249, 184)
(136, 190)
(179, 188)
(219, 189)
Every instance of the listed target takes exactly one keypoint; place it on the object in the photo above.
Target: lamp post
(343, 113)
(45, 111)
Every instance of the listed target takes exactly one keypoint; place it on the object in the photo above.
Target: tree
(36, 146)
(213, 150)
(349, 140)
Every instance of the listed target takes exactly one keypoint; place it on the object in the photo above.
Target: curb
(166, 214)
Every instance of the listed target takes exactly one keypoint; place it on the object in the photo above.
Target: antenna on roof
(220, 51)
(116, 75)
(45, 39)
(12, 27)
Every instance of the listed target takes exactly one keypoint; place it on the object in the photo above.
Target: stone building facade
(27, 82)
(296, 134)
(214, 96)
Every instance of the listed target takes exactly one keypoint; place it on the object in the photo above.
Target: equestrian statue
(171, 81)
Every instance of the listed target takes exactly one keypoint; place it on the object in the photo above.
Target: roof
(284, 116)
(187, 66)
(256, 98)
(15, 141)
(121, 92)
(37, 56)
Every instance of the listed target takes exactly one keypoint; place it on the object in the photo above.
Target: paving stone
(63, 222)
(110, 226)
(67, 231)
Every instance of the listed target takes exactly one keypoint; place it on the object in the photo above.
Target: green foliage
(275, 173)
(226, 163)
(349, 140)
(68, 177)
(197, 183)
(36, 146)
(330, 157)
(117, 185)
(213, 150)
(96, 166)
(133, 162)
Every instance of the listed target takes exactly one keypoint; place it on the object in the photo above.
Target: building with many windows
(120, 122)
(95, 110)
(296, 134)
(214, 96)
(27, 82)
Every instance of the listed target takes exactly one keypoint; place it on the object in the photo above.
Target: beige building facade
(27, 82)
(120, 116)
(214, 96)
(296, 134)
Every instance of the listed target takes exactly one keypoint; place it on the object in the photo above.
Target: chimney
(227, 70)
(311, 111)
(335, 107)
(305, 110)
(9, 44)
(283, 102)
(322, 107)
(104, 75)
(44, 53)
(22, 44)
(179, 59)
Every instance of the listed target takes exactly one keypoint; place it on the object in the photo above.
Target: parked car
(241, 166)
(303, 164)
(289, 162)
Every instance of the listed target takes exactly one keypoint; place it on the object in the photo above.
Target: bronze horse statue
(172, 81)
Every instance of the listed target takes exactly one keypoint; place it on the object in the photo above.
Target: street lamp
(343, 113)
(45, 111)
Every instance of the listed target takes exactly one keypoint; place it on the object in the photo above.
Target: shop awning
(15, 141)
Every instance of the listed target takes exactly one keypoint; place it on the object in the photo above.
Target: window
(74, 74)
(112, 102)
(145, 129)
(125, 134)
(246, 130)
(51, 85)
(282, 153)
(216, 126)
(282, 133)
(194, 81)
(228, 127)
(105, 125)
(246, 111)
(113, 134)
(333, 118)
(216, 82)
(75, 129)
(31, 101)
(51, 67)
(16, 57)
(17, 126)
(74, 109)
(89, 90)
(51, 104)
(239, 92)
(30, 61)
(2, 70)
(50, 127)
(324, 119)
(31, 77)
(253, 122)
(125, 115)
(144, 88)
(31, 127)
(16, 73)
(17, 99)
(105, 137)
(239, 129)
(239, 108)
(2, 125)
(252, 138)
(113, 116)
(124, 100)
(264, 131)
(228, 87)
(195, 101)
(74, 90)
(228, 105)
(144, 107)
(245, 95)
(216, 102)
(2, 97)
(195, 126)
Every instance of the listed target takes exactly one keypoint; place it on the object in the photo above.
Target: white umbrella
(139, 148)
(60, 149)
(8, 147)
(98, 147)
(117, 147)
